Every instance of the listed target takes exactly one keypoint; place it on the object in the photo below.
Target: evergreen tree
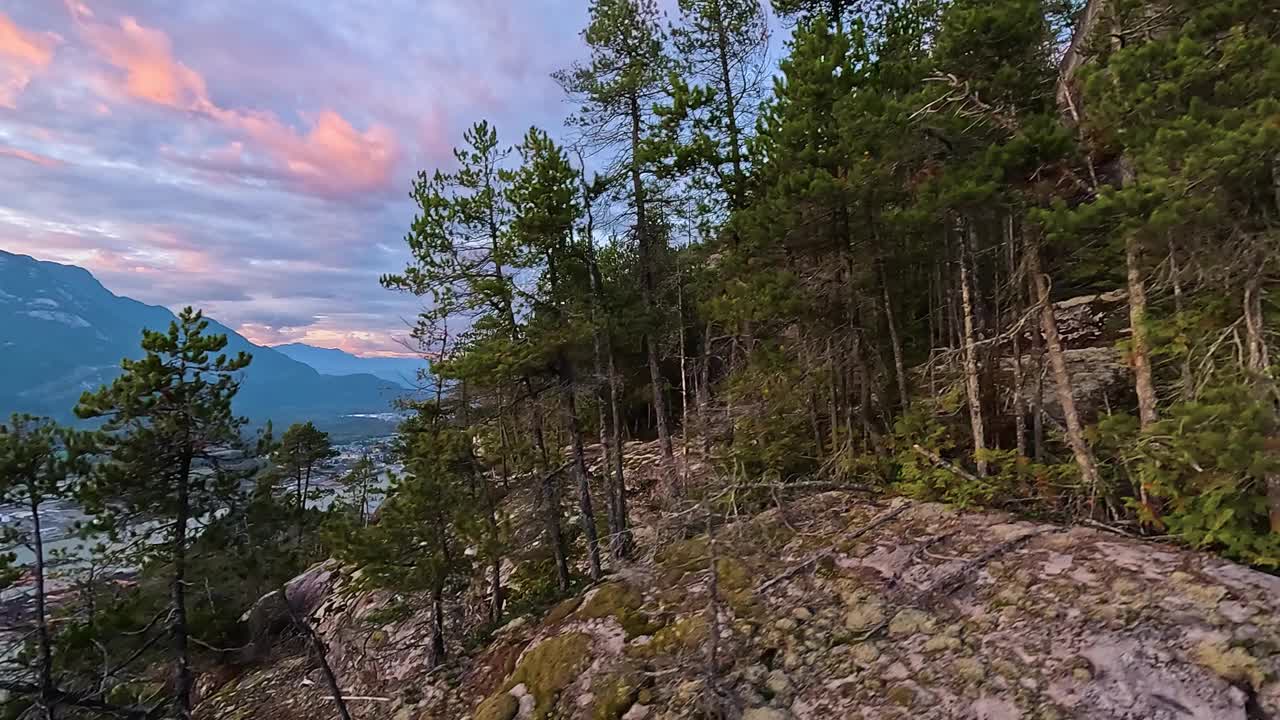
(418, 543)
(544, 196)
(465, 261)
(302, 447)
(165, 419)
(38, 463)
(360, 487)
(626, 74)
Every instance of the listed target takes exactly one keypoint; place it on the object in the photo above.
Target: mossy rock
(499, 707)
(622, 602)
(682, 557)
(562, 610)
(1231, 663)
(545, 671)
(684, 635)
(736, 583)
(616, 692)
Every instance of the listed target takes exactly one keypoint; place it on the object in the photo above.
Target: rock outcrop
(830, 606)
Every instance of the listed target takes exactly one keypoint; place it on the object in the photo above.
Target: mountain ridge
(338, 362)
(63, 332)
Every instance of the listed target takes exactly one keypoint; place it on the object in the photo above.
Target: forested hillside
(896, 260)
(880, 358)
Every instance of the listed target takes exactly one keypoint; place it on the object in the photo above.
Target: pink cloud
(23, 53)
(331, 158)
(151, 73)
(31, 157)
(356, 342)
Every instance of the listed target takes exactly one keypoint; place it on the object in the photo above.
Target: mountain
(62, 332)
(330, 361)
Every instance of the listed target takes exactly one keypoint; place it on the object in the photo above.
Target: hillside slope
(834, 605)
(62, 332)
(330, 361)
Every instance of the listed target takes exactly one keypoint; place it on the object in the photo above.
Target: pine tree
(38, 463)
(360, 487)
(626, 74)
(465, 260)
(544, 196)
(721, 43)
(165, 418)
(418, 543)
(302, 447)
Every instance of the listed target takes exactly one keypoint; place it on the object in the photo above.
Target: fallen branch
(943, 464)
(322, 651)
(818, 557)
(949, 582)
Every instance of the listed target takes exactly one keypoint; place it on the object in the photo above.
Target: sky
(254, 158)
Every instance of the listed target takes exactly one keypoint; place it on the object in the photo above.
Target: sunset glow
(255, 159)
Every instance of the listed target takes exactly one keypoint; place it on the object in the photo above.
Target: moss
(902, 695)
(737, 585)
(621, 601)
(562, 610)
(545, 671)
(679, 558)
(550, 667)
(684, 635)
(615, 693)
(499, 707)
(1230, 663)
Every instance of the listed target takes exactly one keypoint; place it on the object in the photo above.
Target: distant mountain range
(62, 332)
(330, 361)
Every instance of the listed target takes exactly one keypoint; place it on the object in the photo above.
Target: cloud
(331, 158)
(22, 55)
(151, 73)
(31, 157)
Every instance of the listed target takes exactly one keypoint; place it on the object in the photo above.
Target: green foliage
(417, 543)
(164, 415)
(1206, 464)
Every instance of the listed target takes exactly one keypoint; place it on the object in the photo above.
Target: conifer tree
(465, 260)
(544, 196)
(164, 419)
(38, 463)
(418, 543)
(616, 89)
(302, 447)
(721, 45)
(360, 487)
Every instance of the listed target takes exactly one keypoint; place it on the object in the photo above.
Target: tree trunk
(684, 386)
(549, 501)
(1141, 352)
(1015, 293)
(704, 392)
(322, 652)
(1062, 377)
(623, 543)
(1175, 276)
(1075, 57)
(648, 286)
(44, 646)
(438, 650)
(569, 404)
(1259, 364)
(899, 367)
(182, 680)
(730, 108)
(495, 560)
(973, 388)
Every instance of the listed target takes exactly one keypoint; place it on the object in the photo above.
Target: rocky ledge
(833, 606)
